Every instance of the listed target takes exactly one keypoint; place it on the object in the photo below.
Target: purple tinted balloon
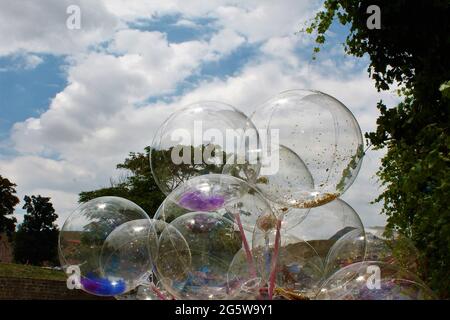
(198, 201)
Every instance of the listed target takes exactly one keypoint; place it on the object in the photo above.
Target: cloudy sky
(74, 102)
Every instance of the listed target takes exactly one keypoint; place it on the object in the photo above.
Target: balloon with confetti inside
(286, 181)
(322, 132)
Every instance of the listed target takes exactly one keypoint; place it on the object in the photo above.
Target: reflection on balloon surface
(202, 138)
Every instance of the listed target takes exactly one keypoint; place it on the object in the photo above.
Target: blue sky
(72, 102)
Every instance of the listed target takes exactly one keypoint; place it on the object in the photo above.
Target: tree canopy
(138, 186)
(36, 240)
(411, 50)
(8, 200)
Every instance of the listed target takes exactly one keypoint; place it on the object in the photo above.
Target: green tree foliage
(8, 201)
(36, 240)
(411, 50)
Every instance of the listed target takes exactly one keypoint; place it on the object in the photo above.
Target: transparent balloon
(288, 183)
(372, 280)
(213, 241)
(202, 138)
(226, 195)
(325, 225)
(323, 133)
(288, 264)
(82, 239)
(348, 249)
(244, 280)
(129, 250)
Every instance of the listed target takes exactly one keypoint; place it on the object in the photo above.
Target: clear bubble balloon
(286, 181)
(226, 195)
(372, 280)
(348, 249)
(322, 132)
(169, 210)
(129, 250)
(325, 225)
(200, 139)
(82, 239)
(213, 241)
(291, 264)
(174, 256)
(244, 279)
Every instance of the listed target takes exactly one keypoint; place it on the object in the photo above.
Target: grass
(29, 272)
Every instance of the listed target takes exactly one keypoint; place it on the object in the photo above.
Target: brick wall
(33, 289)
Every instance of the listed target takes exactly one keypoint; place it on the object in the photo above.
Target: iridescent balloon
(322, 132)
(83, 236)
(372, 280)
(200, 139)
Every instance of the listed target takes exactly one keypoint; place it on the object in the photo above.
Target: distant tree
(140, 186)
(412, 50)
(8, 201)
(36, 240)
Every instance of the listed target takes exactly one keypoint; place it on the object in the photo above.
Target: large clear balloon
(325, 225)
(348, 249)
(202, 138)
(288, 183)
(129, 251)
(323, 133)
(372, 280)
(289, 264)
(82, 240)
(213, 241)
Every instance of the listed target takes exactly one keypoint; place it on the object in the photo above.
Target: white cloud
(22, 61)
(32, 61)
(40, 26)
(102, 114)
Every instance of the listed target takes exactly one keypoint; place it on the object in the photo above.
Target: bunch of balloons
(252, 211)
